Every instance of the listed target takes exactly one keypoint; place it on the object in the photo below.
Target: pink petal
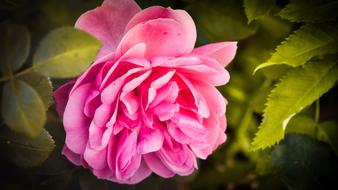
(74, 158)
(180, 16)
(223, 52)
(156, 165)
(142, 173)
(92, 103)
(61, 96)
(163, 37)
(149, 140)
(96, 159)
(75, 122)
(108, 22)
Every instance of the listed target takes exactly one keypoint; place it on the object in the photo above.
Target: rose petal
(180, 16)
(75, 122)
(61, 96)
(149, 140)
(108, 22)
(163, 37)
(223, 52)
(156, 165)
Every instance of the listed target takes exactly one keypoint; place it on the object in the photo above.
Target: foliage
(282, 113)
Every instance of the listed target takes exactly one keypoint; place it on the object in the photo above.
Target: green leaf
(26, 152)
(302, 124)
(257, 8)
(222, 20)
(304, 163)
(298, 89)
(22, 108)
(328, 132)
(310, 11)
(14, 45)
(65, 52)
(307, 42)
(42, 85)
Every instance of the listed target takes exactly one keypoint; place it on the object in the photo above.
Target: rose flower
(149, 102)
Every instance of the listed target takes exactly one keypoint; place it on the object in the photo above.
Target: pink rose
(149, 102)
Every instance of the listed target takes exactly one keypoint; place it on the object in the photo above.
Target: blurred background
(294, 164)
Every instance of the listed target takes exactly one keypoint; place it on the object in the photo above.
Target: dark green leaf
(26, 152)
(22, 108)
(305, 163)
(65, 52)
(14, 45)
(222, 20)
(42, 85)
(310, 11)
(307, 42)
(298, 89)
(328, 132)
(257, 8)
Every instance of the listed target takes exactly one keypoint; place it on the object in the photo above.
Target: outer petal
(180, 16)
(61, 96)
(223, 52)
(75, 122)
(108, 22)
(162, 36)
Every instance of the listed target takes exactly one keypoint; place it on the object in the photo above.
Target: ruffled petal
(223, 52)
(108, 22)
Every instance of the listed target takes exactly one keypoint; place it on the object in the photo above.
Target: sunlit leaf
(305, 163)
(65, 52)
(42, 85)
(310, 11)
(257, 8)
(14, 46)
(22, 108)
(307, 42)
(222, 20)
(298, 89)
(26, 152)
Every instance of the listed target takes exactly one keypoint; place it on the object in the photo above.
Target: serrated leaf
(14, 45)
(307, 42)
(257, 8)
(298, 89)
(42, 85)
(222, 20)
(65, 52)
(304, 163)
(26, 152)
(312, 11)
(22, 108)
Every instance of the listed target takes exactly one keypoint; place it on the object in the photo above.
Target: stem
(317, 115)
(11, 76)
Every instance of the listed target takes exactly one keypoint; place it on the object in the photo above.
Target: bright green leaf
(22, 108)
(298, 89)
(14, 45)
(222, 20)
(65, 52)
(42, 85)
(26, 152)
(257, 8)
(304, 163)
(307, 42)
(310, 11)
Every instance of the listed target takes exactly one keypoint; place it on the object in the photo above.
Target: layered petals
(149, 103)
